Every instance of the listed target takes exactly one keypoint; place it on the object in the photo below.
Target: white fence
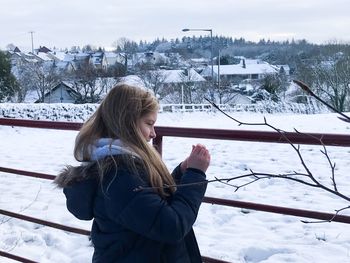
(262, 107)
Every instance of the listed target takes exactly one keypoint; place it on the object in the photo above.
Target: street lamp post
(31, 35)
(211, 54)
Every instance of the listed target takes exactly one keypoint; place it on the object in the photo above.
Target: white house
(246, 69)
(115, 58)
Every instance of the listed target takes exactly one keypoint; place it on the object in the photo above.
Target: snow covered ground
(231, 234)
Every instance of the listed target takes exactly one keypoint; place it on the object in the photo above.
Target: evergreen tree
(8, 84)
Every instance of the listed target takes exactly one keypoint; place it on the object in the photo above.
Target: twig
(308, 90)
(326, 221)
(332, 165)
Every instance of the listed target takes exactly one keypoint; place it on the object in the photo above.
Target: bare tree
(85, 83)
(227, 88)
(193, 91)
(154, 80)
(105, 84)
(44, 77)
(329, 80)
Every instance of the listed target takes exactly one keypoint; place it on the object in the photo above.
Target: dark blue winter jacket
(138, 226)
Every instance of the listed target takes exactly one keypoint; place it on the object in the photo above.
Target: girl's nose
(153, 134)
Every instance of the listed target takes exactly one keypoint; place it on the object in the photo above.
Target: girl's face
(146, 125)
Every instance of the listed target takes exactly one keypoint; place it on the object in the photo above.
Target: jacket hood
(79, 186)
(80, 183)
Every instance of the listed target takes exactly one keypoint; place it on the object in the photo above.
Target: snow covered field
(231, 234)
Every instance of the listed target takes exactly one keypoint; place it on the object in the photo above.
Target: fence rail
(220, 134)
(240, 135)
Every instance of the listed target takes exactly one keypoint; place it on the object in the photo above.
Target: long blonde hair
(117, 118)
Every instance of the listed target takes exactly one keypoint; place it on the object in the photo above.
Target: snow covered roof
(133, 80)
(178, 76)
(113, 58)
(239, 69)
(44, 56)
(59, 54)
(76, 56)
(31, 96)
(63, 64)
(68, 57)
(200, 60)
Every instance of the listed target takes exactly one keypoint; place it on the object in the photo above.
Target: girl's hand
(184, 165)
(199, 158)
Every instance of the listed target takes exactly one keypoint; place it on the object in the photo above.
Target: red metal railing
(237, 135)
(258, 136)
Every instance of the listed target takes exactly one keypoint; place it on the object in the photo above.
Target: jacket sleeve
(147, 214)
(177, 174)
(80, 198)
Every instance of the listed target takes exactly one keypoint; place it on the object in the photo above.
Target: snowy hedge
(80, 112)
(43, 111)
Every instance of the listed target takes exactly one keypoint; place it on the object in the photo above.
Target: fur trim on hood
(73, 174)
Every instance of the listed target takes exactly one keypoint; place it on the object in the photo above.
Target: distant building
(283, 69)
(43, 49)
(61, 93)
(99, 60)
(246, 69)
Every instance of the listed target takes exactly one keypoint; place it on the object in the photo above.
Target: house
(17, 50)
(43, 49)
(61, 93)
(99, 60)
(177, 76)
(151, 58)
(78, 59)
(43, 57)
(19, 58)
(16, 57)
(116, 59)
(64, 67)
(246, 69)
(238, 98)
(173, 78)
(199, 62)
(58, 55)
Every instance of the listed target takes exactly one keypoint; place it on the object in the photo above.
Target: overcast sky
(66, 23)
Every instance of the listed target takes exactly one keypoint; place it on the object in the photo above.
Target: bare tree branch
(309, 174)
(308, 90)
(306, 178)
(327, 221)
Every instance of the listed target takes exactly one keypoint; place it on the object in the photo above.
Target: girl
(139, 214)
